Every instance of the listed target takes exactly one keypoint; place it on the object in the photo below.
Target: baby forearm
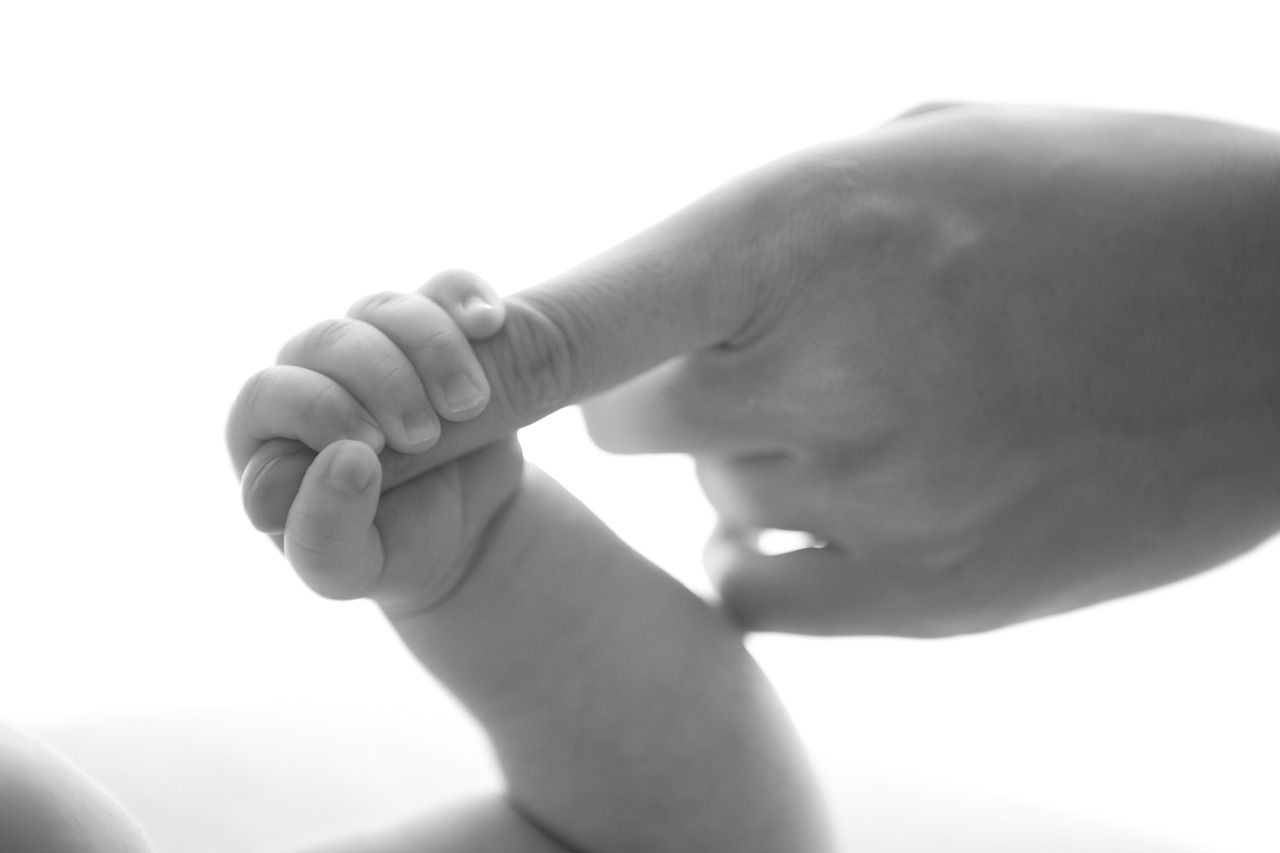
(625, 713)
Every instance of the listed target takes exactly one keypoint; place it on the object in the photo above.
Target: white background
(184, 186)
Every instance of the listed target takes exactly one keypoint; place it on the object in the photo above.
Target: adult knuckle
(929, 626)
(931, 615)
(960, 601)
(541, 360)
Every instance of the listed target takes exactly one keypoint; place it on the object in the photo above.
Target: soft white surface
(278, 777)
(183, 186)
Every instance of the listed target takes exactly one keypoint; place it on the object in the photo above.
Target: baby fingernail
(350, 470)
(476, 304)
(420, 426)
(462, 393)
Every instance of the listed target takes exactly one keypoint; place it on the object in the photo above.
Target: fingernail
(462, 393)
(350, 470)
(420, 426)
(476, 304)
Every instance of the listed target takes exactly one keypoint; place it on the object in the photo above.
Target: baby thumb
(329, 537)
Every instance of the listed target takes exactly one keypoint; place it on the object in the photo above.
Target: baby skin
(625, 713)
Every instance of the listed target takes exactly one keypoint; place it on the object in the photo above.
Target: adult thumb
(818, 591)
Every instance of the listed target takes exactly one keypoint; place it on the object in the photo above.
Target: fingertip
(722, 550)
(740, 601)
(270, 482)
(463, 397)
(804, 591)
(470, 300)
(352, 467)
(726, 557)
(480, 318)
(330, 538)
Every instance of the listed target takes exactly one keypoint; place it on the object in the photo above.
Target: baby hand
(347, 389)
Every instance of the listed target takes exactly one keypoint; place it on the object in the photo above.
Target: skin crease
(1006, 361)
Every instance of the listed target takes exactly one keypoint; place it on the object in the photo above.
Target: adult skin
(1004, 361)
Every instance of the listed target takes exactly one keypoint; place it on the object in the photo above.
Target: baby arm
(625, 714)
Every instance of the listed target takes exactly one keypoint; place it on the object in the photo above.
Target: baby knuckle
(395, 377)
(254, 390)
(325, 335)
(328, 404)
(438, 342)
(375, 303)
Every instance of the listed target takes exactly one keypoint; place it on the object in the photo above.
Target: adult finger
(330, 538)
(685, 405)
(807, 591)
(762, 491)
(562, 341)
(828, 591)
(694, 281)
(688, 284)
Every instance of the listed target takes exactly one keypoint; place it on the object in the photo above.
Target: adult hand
(1004, 362)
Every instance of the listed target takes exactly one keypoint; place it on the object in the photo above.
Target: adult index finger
(692, 282)
(697, 280)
